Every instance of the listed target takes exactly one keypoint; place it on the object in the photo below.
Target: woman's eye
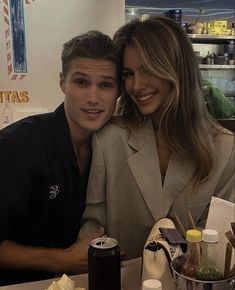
(127, 74)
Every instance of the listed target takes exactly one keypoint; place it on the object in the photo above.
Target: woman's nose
(138, 82)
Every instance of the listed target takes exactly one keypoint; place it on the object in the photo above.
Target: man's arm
(72, 260)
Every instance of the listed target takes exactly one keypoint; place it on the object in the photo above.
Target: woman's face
(146, 90)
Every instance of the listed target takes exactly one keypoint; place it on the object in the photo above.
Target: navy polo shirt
(42, 194)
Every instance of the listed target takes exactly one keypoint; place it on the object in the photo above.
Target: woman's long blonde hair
(166, 51)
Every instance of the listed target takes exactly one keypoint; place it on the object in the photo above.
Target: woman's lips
(144, 99)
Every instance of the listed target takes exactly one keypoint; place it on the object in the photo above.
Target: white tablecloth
(131, 275)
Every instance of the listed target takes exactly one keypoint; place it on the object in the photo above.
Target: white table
(131, 275)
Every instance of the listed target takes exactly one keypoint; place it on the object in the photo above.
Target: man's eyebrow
(110, 78)
(77, 73)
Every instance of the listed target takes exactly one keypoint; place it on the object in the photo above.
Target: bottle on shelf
(190, 267)
(231, 60)
(208, 58)
(232, 32)
(213, 55)
(152, 284)
(208, 268)
(208, 28)
(7, 114)
(226, 58)
(204, 28)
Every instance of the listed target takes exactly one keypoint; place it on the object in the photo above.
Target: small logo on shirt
(54, 191)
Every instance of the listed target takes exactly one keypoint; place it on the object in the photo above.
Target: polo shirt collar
(61, 131)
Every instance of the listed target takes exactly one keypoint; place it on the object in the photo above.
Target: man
(45, 162)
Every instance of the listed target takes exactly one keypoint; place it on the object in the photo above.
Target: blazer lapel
(177, 177)
(144, 165)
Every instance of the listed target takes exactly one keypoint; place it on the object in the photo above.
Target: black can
(104, 264)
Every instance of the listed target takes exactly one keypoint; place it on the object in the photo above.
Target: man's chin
(97, 125)
(94, 129)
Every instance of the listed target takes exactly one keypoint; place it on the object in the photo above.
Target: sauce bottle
(208, 268)
(190, 267)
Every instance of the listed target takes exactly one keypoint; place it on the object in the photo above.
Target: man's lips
(92, 111)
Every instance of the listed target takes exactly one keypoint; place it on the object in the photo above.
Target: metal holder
(185, 283)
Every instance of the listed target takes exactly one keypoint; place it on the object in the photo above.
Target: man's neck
(81, 142)
(82, 152)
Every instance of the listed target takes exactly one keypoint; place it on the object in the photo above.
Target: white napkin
(65, 283)
(221, 214)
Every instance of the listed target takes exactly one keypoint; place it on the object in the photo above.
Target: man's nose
(92, 95)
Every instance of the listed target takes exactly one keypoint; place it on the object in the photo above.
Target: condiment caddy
(199, 267)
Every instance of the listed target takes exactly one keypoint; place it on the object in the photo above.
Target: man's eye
(106, 85)
(127, 74)
(81, 82)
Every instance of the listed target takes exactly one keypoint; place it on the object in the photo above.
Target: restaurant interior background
(214, 9)
(214, 49)
(32, 33)
(31, 44)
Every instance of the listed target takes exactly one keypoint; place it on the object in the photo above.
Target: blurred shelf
(211, 38)
(217, 66)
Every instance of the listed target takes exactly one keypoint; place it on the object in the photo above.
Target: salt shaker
(152, 284)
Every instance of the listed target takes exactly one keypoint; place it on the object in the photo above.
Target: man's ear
(62, 82)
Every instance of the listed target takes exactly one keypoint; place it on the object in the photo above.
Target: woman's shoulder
(225, 141)
(224, 134)
(115, 125)
(112, 134)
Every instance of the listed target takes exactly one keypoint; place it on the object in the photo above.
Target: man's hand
(76, 257)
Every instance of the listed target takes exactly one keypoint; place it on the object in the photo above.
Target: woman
(164, 154)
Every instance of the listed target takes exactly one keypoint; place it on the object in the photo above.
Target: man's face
(91, 89)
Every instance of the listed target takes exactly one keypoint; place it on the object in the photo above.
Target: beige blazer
(125, 192)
